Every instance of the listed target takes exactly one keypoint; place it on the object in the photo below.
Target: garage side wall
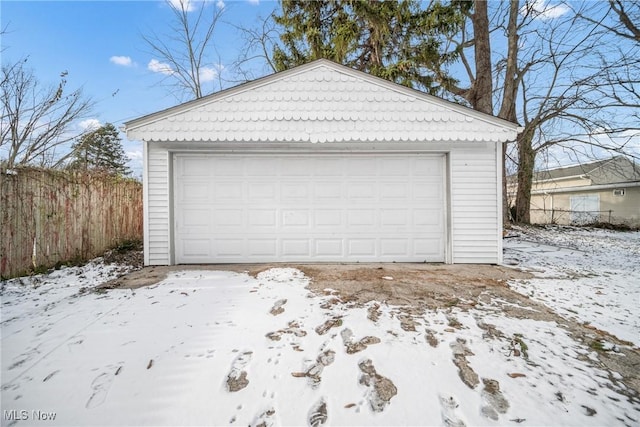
(157, 226)
(475, 202)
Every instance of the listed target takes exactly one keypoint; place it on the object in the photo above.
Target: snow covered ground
(590, 275)
(224, 348)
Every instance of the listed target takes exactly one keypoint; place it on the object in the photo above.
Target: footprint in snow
(448, 409)
(278, 307)
(380, 389)
(237, 377)
(318, 413)
(265, 419)
(495, 402)
(99, 390)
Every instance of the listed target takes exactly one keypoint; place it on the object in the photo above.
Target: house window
(619, 192)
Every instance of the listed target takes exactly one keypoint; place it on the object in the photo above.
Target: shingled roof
(614, 170)
(320, 102)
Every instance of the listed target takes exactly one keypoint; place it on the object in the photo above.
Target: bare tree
(184, 50)
(549, 79)
(36, 119)
(619, 83)
(259, 43)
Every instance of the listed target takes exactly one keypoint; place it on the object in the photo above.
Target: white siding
(316, 103)
(157, 216)
(474, 205)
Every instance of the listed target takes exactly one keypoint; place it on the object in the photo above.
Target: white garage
(321, 163)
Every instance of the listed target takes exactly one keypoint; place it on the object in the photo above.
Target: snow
(589, 275)
(169, 353)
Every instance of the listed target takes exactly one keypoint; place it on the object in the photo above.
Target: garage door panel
(194, 192)
(228, 247)
(224, 166)
(361, 247)
(362, 191)
(425, 190)
(427, 217)
(361, 217)
(295, 218)
(227, 191)
(425, 167)
(293, 191)
(328, 217)
(428, 247)
(262, 167)
(228, 217)
(395, 168)
(329, 248)
(296, 248)
(394, 191)
(328, 191)
(197, 167)
(262, 191)
(262, 208)
(262, 247)
(393, 247)
(198, 218)
(196, 247)
(262, 218)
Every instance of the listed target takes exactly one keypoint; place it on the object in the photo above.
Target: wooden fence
(48, 217)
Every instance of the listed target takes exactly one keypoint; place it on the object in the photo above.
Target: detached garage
(321, 163)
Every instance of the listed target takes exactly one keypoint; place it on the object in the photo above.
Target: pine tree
(100, 150)
(395, 40)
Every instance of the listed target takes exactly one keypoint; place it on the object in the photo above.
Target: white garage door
(309, 207)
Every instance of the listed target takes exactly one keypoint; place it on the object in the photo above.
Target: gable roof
(321, 101)
(614, 170)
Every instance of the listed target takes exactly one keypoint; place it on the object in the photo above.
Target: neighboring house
(321, 163)
(603, 191)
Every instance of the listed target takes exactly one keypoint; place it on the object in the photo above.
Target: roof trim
(586, 188)
(159, 115)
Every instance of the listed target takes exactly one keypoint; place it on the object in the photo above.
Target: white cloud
(89, 125)
(187, 5)
(541, 9)
(134, 155)
(190, 5)
(208, 74)
(160, 67)
(256, 2)
(125, 61)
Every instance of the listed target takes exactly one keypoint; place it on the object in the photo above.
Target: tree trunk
(481, 92)
(526, 161)
(508, 106)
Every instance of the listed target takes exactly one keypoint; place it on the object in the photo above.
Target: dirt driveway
(416, 287)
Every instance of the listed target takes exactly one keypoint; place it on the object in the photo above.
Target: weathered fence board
(47, 216)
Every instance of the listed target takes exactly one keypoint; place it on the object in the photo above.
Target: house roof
(321, 101)
(614, 170)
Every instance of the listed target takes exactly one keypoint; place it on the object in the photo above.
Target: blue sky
(92, 41)
(100, 45)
